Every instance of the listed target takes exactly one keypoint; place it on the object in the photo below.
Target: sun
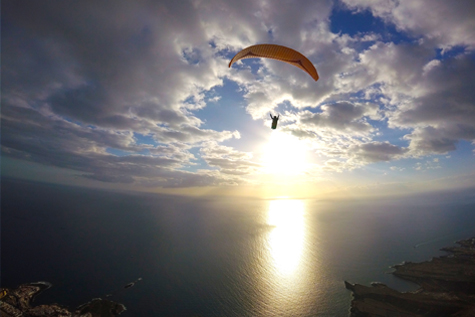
(284, 154)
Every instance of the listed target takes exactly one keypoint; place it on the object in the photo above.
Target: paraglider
(277, 52)
(274, 120)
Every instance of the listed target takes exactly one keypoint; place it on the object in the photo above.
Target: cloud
(75, 90)
(118, 69)
(228, 160)
(60, 143)
(376, 152)
(447, 23)
(427, 165)
(447, 94)
(434, 99)
(398, 67)
(342, 117)
(395, 168)
(81, 81)
(335, 166)
(445, 112)
(428, 140)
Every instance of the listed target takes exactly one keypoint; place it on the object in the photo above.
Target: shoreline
(446, 287)
(17, 302)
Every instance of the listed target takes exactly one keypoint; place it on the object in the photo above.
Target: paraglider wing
(280, 53)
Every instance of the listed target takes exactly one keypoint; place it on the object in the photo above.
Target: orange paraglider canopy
(280, 53)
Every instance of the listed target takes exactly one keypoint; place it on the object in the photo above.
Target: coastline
(447, 287)
(17, 302)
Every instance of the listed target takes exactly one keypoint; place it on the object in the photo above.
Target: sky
(137, 95)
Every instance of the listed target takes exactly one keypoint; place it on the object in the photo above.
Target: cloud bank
(114, 91)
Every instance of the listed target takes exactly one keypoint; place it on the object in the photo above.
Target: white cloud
(427, 165)
(395, 168)
(228, 160)
(447, 23)
(333, 165)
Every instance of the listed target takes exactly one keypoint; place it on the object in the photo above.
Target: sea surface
(216, 256)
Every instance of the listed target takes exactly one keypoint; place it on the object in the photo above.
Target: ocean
(216, 256)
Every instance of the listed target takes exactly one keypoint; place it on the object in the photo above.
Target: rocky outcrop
(447, 288)
(17, 302)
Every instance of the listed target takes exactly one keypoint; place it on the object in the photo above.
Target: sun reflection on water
(287, 275)
(286, 240)
(290, 278)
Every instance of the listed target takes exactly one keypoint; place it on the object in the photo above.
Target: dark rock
(447, 288)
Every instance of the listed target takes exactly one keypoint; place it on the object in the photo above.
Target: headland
(447, 288)
(18, 302)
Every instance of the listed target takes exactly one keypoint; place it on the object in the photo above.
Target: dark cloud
(446, 112)
(344, 117)
(124, 179)
(24, 129)
(449, 95)
(104, 63)
(80, 78)
(429, 140)
(189, 134)
(173, 118)
(59, 143)
(376, 152)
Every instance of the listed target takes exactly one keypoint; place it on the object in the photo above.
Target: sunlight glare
(286, 240)
(284, 154)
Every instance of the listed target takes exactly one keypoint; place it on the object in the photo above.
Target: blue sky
(139, 96)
